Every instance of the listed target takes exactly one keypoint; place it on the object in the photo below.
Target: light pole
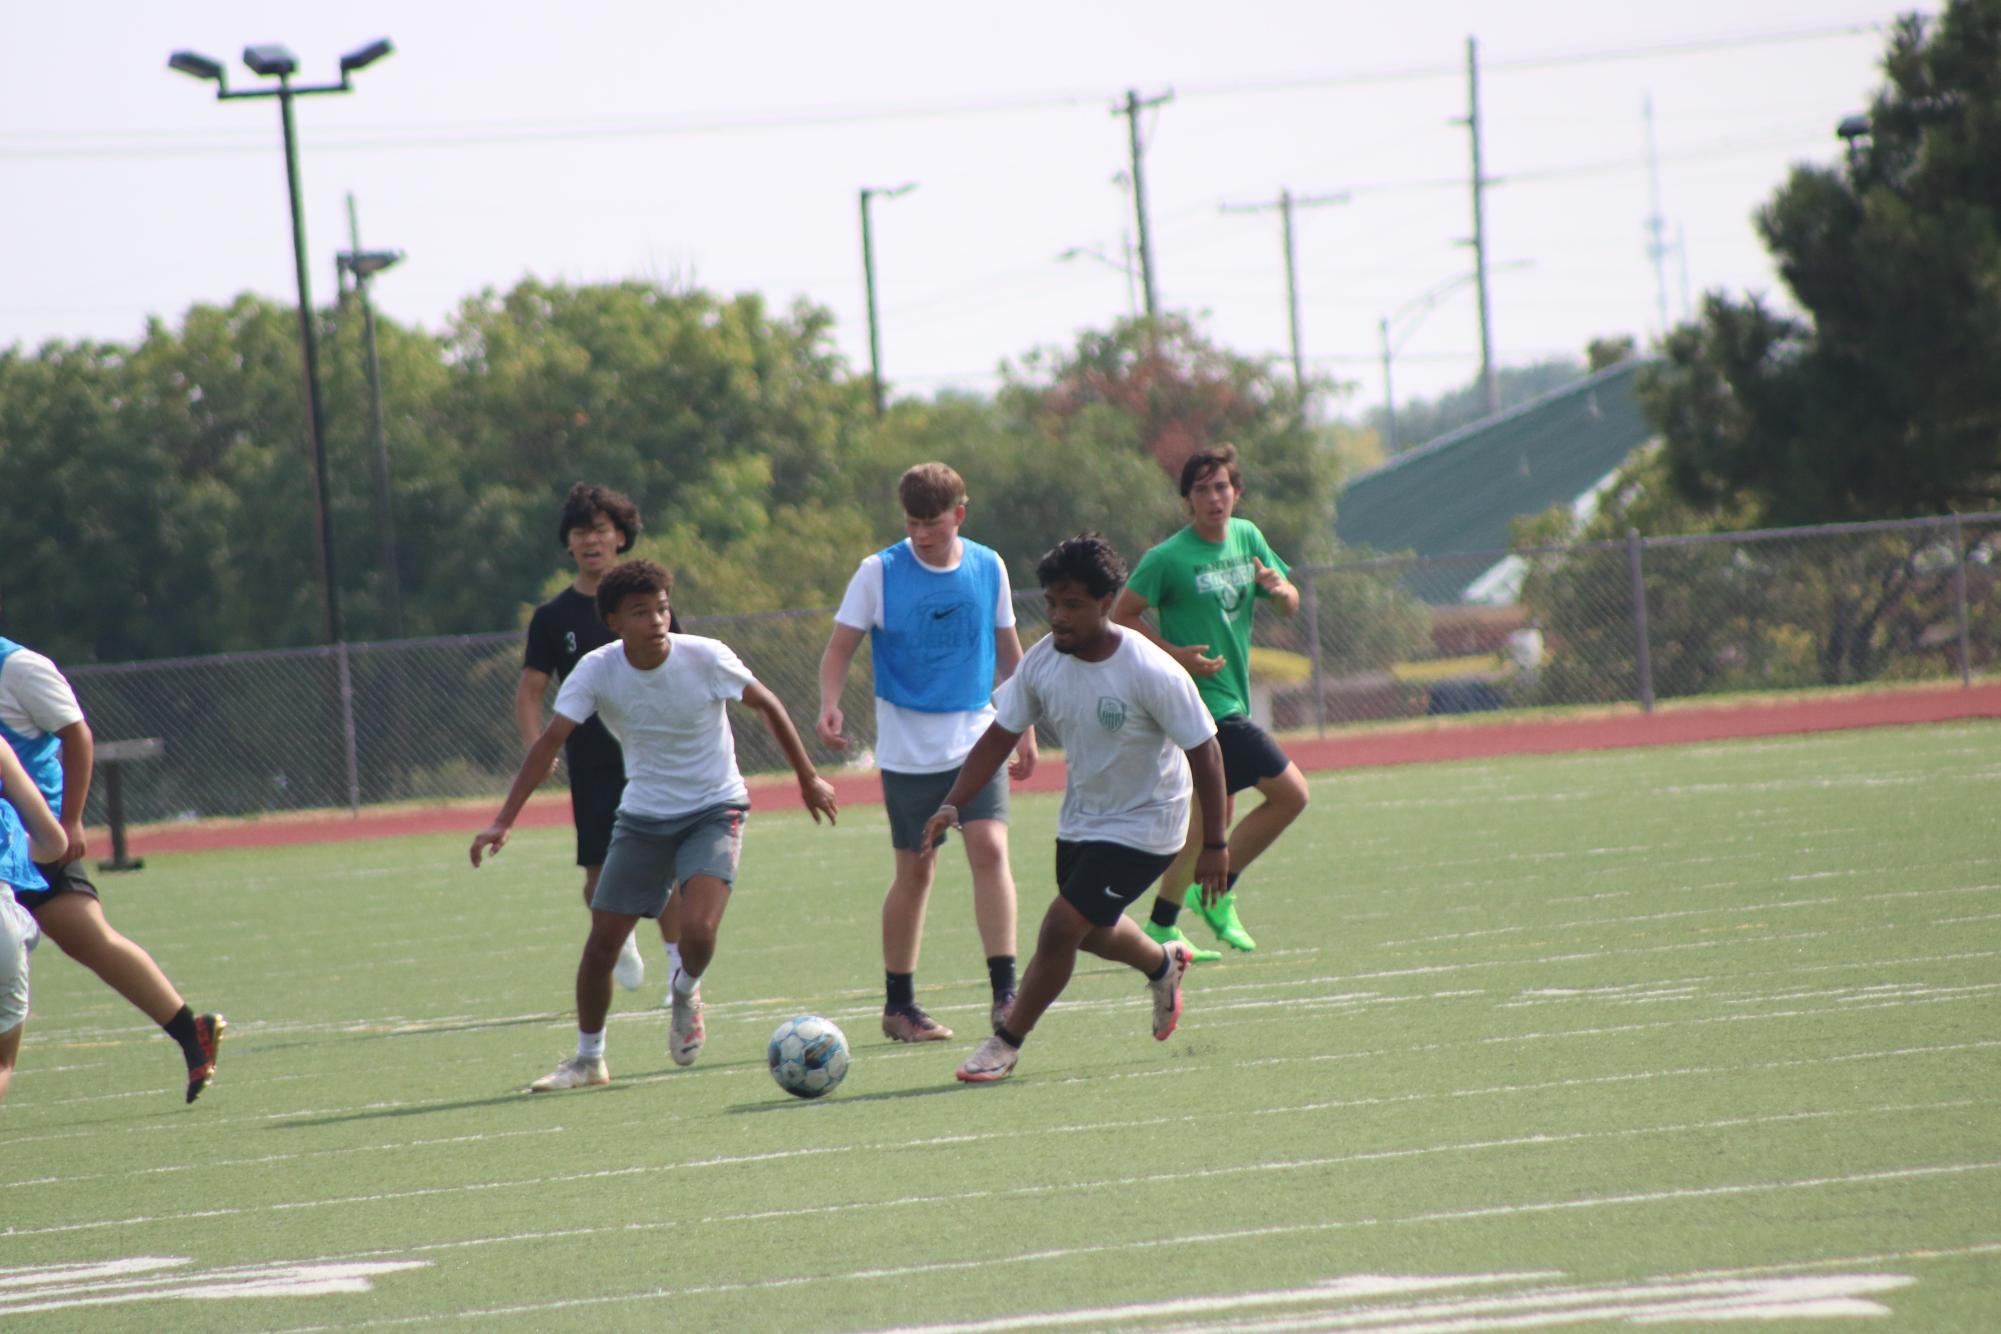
(363, 265)
(868, 281)
(1416, 309)
(1092, 252)
(274, 60)
(1852, 130)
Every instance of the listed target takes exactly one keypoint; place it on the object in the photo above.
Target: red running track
(1414, 744)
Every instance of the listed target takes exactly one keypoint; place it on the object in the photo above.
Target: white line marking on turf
(68, 1286)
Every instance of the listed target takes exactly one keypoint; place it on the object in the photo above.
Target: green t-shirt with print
(1202, 592)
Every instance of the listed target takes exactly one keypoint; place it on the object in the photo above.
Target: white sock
(673, 957)
(590, 1046)
(685, 983)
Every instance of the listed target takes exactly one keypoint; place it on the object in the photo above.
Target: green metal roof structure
(1457, 493)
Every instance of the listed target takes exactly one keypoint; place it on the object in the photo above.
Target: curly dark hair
(586, 501)
(634, 576)
(1086, 559)
(1205, 461)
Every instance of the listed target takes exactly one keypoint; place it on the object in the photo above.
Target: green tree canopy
(1881, 400)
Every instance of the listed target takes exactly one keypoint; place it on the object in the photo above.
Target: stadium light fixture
(1852, 131)
(195, 65)
(275, 60)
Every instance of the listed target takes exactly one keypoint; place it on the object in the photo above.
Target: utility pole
(1133, 106)
(1285, 204)
(363, 265)
(1490, 395)
(1656, 225)
(868, 281)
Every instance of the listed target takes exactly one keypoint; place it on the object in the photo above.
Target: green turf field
(1666, 1036)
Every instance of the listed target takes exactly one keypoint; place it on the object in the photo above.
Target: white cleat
(575, 1073)
(1166, 990)
(685, 1031)
(994, 1059)
(631, 967)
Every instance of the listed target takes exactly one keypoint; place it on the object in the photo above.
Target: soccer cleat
(907, 1023)
(630, 970)
(1003, 1007)
(994, 1060)
(685, 1031)
(209, 1029)
(576, 1073)
(1222, 919)
(1172, 935)
(1166, 991)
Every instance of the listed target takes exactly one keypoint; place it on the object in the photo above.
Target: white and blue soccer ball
(809, 1056)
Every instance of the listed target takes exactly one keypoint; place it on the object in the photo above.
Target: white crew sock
(685, 983)
(673, 957)
(590, 1046)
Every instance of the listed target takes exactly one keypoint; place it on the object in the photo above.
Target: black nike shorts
(1100, 879)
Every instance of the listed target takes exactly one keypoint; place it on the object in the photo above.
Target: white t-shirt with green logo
(1123, 724)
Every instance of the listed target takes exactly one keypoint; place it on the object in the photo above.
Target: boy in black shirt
(597, 525)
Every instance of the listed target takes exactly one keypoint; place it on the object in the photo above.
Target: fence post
(1643, 659)
(1959, 605)
(348, 745)
(1313, 649)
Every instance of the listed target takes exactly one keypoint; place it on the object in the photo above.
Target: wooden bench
(112, 757)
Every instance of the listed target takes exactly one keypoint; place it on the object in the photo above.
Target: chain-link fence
(1645, 619)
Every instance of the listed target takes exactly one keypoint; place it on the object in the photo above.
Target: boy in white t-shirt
(1126, 713)
(939, 616)
(680, 821)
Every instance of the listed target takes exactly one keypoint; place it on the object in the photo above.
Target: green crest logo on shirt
(1111, 713)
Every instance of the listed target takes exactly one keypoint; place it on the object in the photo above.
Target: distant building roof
(1458, 493)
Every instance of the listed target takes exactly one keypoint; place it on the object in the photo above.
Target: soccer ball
(809, 1056)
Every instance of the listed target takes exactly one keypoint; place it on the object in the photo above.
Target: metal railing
(1644, 619)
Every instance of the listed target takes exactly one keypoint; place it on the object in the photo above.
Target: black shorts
(594, 795)
(68, 879)
(1100, 879)
(1249, 754)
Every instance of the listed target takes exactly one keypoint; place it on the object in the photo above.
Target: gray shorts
(650, 858)
(18, 934)
(911, 799)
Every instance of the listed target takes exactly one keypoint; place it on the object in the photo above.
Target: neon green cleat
(1168, 935)
(1222, 919)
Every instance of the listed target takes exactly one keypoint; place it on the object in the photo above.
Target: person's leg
(609, 931)
(1171, 894)
(993, 907)
(903, 907)
(1285, 800)
(1049, 969)
(76, 923)
(10, 1049)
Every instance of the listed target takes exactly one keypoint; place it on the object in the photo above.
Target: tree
(1880, 400)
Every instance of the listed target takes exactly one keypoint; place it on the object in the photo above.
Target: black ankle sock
(1166, 912)
(902, 990)
(1160, 971)
(181, 1028)
(1010, 1037)
(1000, 974)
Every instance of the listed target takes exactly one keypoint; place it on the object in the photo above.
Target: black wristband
(1215, 847)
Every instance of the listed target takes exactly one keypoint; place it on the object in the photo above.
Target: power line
(154, 143)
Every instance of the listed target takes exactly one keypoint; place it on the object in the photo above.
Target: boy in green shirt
(1203, 583)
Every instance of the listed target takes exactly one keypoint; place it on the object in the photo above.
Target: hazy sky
(724, 145)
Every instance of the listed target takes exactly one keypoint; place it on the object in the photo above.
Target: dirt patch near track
(1415, 744)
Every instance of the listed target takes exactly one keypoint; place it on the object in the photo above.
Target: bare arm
(47, 837)
(1212, 866)
(534, 768)
(79, 750)
(834, 664)
(528, 695)
(1130, 611)
(817, 792)
(1007, 657)
(978, 770)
